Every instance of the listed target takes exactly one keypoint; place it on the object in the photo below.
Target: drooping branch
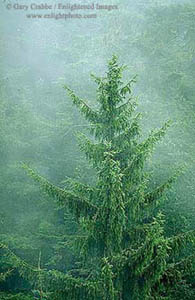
(90, 115)
(153, 196)
(175, 271)
(128, 105)
(80, 189)
(127, 88)
(62, 286)
(93, 151)
(178, 242)
(129, 133)
(147, 146)
(78, 206)
(144, 149)
(25, 269)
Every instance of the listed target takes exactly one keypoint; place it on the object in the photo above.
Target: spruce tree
(124, 252)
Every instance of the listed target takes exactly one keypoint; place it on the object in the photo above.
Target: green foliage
(19, 296)
(123, 247)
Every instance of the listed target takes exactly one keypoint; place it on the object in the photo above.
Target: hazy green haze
(39, 124)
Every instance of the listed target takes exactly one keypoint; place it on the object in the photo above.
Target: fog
(39, 124)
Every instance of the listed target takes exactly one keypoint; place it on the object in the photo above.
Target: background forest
(39, 123)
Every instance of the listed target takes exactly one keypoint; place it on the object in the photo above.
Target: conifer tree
(124, 253)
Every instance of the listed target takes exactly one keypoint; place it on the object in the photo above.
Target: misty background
(38, 123)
